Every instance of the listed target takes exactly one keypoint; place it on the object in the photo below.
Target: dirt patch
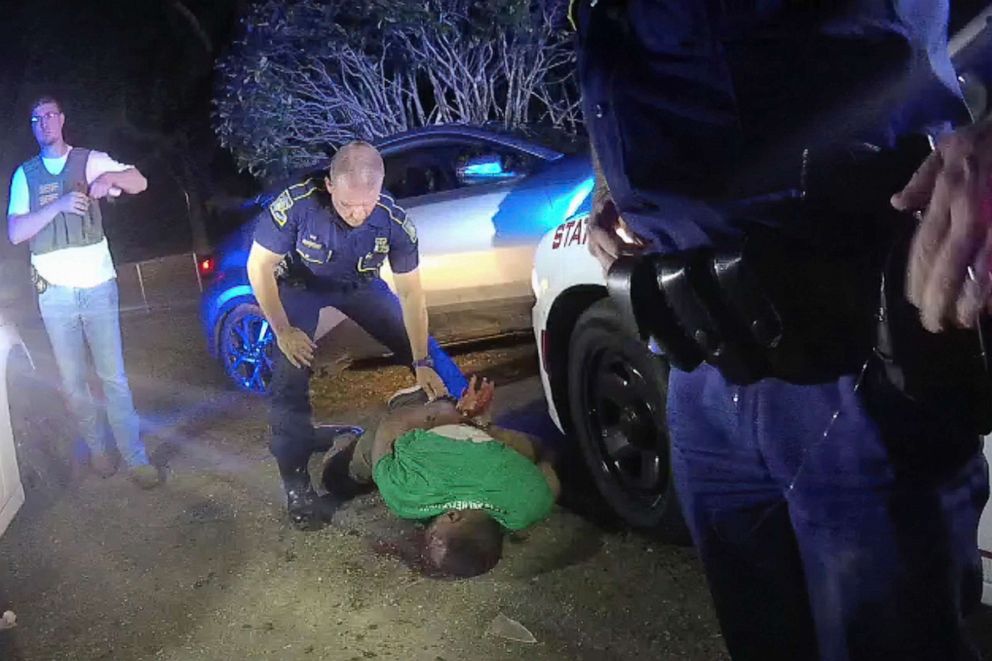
(206, 567)
(337, 388)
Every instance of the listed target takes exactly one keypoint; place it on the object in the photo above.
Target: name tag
(48, 193)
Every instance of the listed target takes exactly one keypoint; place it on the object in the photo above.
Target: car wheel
(246, 343)
(617, 392)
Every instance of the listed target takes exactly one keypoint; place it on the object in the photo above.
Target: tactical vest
(67, 230)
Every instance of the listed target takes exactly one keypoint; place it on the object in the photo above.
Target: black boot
(301, 500)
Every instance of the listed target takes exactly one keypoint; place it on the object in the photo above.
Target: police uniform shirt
(694, 105)
(302, 219)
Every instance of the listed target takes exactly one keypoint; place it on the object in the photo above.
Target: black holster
(811, 311)
(771, 309)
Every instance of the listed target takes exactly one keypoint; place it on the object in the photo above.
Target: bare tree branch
(298, 83)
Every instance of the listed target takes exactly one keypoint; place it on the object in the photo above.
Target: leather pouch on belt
(40, 284)
(774, 309)
(699, 306)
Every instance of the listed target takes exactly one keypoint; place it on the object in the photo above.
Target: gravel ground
(206, 568)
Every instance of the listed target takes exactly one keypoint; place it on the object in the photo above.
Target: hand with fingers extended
(949, 276)
(431, 382)
(296, 346)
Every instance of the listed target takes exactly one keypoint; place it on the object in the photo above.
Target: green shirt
(428, 474)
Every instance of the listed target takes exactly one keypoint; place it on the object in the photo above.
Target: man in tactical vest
(55, 207)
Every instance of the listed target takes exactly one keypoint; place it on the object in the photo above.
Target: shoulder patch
(279, 208)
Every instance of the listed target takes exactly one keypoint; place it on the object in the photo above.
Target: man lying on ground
(446, 463)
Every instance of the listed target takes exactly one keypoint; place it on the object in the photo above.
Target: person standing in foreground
(343, 229)
(55, 207)
(836, 516)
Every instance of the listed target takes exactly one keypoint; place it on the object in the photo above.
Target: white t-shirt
(463, 433)
(80, 266)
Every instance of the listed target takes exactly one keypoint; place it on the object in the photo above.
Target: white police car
(604, 387)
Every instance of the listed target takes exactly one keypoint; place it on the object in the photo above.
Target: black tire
(245, 347)
(617, 392)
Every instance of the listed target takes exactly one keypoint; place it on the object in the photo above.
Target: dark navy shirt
(697, 106)
(302, 219)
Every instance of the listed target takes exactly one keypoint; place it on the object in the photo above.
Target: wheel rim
(248, 352)
(626, 422)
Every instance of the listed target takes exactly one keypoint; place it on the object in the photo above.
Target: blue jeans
(847, 540)
(75, 318)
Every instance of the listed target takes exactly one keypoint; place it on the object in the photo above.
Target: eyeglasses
(48, 116)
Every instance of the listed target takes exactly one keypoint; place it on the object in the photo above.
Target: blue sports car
(481, 201)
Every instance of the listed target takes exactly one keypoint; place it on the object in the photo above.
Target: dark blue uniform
(339, 267)
(829, 528)
(703, 107)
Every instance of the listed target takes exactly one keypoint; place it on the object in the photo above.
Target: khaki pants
(360, 465)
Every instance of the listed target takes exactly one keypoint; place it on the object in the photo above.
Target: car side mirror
(483, 169)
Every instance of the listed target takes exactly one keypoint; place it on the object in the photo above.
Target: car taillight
(206, 266)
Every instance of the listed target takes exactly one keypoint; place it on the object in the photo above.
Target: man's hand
(73, 202)
(102, 187)
(950, 260)
(431, 382)
(296, 346)
(605, 229)
(477, 399)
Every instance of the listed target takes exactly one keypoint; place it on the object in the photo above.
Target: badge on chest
(313, 250)
(371, 261)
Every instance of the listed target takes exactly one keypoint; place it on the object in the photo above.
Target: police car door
(11, 490)
(453, 192)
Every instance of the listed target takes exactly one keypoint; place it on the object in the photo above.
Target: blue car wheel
(246, 343)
